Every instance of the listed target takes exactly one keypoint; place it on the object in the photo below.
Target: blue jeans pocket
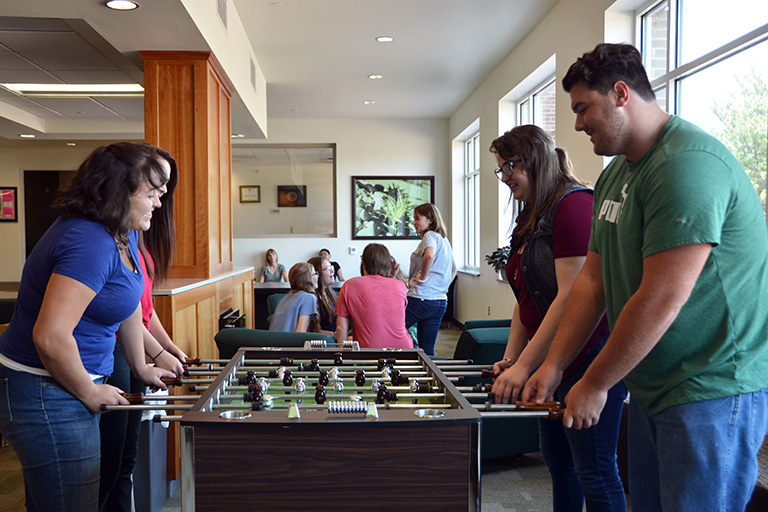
(5, 405)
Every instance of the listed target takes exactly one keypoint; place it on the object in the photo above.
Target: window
(472, 202)
(539, 107)
(711, 70)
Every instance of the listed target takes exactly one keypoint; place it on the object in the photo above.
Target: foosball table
(328, 429)
(332, 429)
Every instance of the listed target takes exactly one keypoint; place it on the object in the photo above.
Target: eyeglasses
(506, 169)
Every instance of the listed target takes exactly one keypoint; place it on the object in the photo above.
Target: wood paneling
(187, 111)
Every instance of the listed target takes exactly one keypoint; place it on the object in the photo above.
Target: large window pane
(730, 101)
(544, 108)
(709, 24)
(655, 35)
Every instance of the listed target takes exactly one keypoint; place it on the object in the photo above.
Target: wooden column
(187, 111)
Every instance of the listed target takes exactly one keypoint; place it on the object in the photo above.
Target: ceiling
(316, 56)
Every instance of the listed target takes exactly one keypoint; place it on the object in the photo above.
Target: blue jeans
(119, 432)
(582, 463)
(427, 315)
(56, 439)
(700, 456)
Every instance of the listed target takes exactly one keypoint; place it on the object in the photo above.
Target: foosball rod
(313, 406)
(146, 407)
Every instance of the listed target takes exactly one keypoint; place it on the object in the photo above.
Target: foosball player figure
(320, 394)
(287, 378)
(323, 379)
(360, 377)
(338, 359)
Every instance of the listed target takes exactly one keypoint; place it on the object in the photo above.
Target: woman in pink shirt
(374, 304)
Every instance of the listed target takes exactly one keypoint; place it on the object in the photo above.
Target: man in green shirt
(679, 258)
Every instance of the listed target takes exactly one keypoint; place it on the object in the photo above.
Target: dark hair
(102, 187)
(432, 214)
(608, 64)
(548, 168)
(377, 260)
(326, 299)
(324, 249)
(160, 239)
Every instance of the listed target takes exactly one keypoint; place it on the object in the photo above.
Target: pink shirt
(376, 306)
(147, 306)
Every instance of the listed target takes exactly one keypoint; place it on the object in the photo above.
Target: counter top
(176, 286)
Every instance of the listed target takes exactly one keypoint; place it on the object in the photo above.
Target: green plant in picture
(383, 211)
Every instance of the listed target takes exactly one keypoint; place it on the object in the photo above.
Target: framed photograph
(290, 196)
(250, 193)
(382, 206)
(8, 200)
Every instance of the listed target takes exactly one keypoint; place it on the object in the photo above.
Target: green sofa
(484, 342)
(231, 339)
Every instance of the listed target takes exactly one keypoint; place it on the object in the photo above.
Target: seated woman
(297, 311)
(272, 272)
(374, 303)
(326, 297)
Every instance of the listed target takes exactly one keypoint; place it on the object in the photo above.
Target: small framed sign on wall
(8, 200)
(250, 193)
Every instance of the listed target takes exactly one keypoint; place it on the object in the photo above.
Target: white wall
(365, 147)
(570, 29)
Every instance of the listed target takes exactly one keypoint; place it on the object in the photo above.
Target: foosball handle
(171, 382)
(134, 398)
(488, 374)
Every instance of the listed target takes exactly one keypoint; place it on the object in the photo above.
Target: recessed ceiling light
(375, 77)
(237, 136)
(71, 144)
(122, 5)
(385, 39)
(368, 102)
(26, 136)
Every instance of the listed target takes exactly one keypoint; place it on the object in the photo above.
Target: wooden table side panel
(339, 467)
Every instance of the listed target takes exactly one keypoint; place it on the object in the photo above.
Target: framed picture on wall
(382, 206)
(289, 196)
(8, 200)
(250, 193)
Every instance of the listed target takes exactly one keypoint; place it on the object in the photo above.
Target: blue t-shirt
(84, 251)
(436, 287)
(290, 308)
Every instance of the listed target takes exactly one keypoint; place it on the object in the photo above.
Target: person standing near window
(679, 258)
(547, 249)
(431, 273)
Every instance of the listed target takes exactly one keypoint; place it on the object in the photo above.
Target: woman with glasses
(431, 273)
(297, 311)
(326, 298)
(547, 250)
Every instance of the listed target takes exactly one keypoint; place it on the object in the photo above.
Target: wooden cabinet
(189, 310)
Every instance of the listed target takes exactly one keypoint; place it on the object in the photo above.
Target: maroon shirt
(570, 237)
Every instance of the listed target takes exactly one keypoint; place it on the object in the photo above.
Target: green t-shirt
(689, 189)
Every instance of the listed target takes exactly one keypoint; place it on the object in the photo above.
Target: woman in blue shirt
(80, 285)
(431, 273)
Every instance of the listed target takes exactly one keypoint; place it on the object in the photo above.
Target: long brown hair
(548, 168)
(160, 239)
(300, 277)
(326, 299)
(431, 213)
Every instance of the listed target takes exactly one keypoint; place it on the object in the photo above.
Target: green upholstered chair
(272, 301)
(501, 437)
(477, 324)
(231, 339)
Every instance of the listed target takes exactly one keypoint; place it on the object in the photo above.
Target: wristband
(158, 354)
